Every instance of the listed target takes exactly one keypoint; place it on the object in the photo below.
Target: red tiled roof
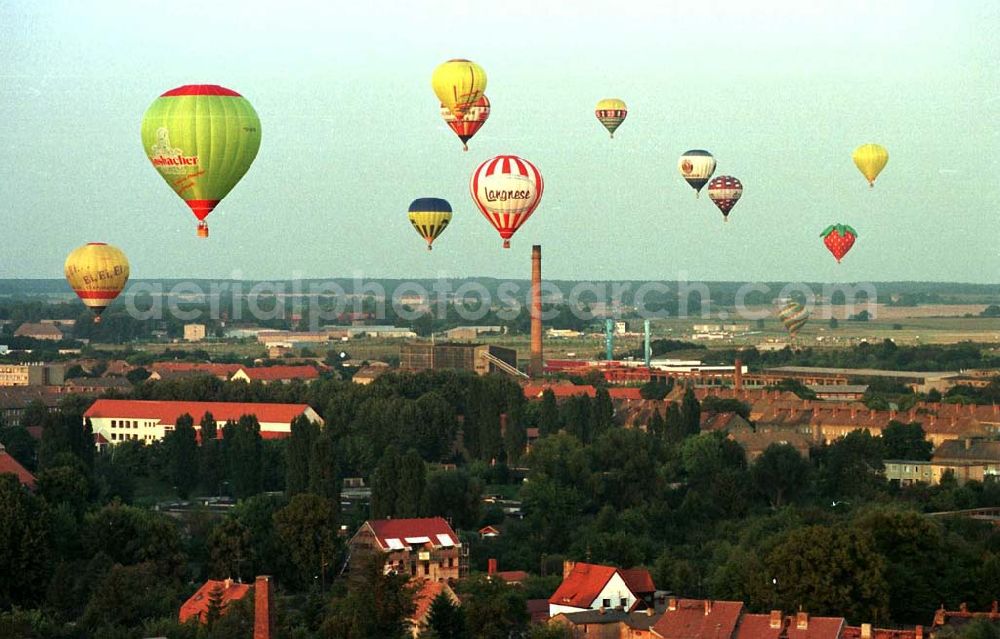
(689, 620)
(278, 373)
(512, 576)
(538, 610)
(197, 605)
(10, 465)
(425, 595)
(638, 580)
(401, 529)
(561, 391)
(854, 632)
(580, 588)
(489, 530)
(167, 412)
(759, 627)
(626, 392)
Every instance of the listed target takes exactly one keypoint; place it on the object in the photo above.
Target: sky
(780, 91)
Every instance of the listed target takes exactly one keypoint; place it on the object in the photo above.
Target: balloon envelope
(429, 217)
(507, 190)
(794, 317)
(97, 273)
(611, 112)
(870, 160)
(725, 191)
(696, 167)
(458, 84)
(201, 139)
(466, 126)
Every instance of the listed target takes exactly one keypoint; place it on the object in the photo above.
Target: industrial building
(479, 358)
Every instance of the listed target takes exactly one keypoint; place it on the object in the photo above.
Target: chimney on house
(708, 607)
(491, 568)
(775, 619)
(672, 603)
(568, 567)
(650, 610)
(263, 615)
(866, 631)
(918, 632)
(228, 583)
(802, 620)
(536, 365)
(503, 424)
(963, 607)
(939, 616)
(738, 375)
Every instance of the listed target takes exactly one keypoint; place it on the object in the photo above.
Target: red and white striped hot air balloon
(507, 190)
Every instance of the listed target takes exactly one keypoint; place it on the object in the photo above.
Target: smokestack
(491, 568)
(536, 365)
(738, 375)
(263, 615)
(647, 351)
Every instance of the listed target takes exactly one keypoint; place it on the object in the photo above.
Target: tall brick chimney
(263, 613)
(738, 375)
(536, 366)
(491, 568)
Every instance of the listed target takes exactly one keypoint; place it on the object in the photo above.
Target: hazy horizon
(780, 92)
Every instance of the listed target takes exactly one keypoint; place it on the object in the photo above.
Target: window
(114, 423)
(624, 602)
(605, 603)
(114, 436)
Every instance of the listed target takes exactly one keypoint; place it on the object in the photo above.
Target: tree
(410, 487)
(20, 445)
(993, 310)
(674, 424)
(243, 448)
(307, 526)
(324, 470)
(905, 441)
(445, 619)
(385, 483)
(298, 451)
(716, 404)
(493, 610)
(548, 414)
(376, 605)
(780, 474)
(834, 323)
(230, 550)
(691, 413)
(215, 606)
(657, 426)
(602, 413)
(65, 484)
(27, 549)
(130, 535)
(830, 571)
(851, 466)
(654, 389)
(454, 495)
(181, 446)
(703, 457)
(126, 596)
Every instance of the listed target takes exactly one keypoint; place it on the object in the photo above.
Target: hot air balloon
(430, 216)
(611, 112)
(97, 273)
(696, 166)
(507, 190)
(725, 191)
(839, 238)
(466, 126)
(459, 84)
(201, 139)
(870, 160)
(794, 317)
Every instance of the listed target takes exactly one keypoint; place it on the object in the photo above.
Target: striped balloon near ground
(430, 217)
(507, 190)
(794, 317)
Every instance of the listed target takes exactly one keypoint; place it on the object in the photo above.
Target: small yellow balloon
(97, 273)
(870, 160)
(459, 84)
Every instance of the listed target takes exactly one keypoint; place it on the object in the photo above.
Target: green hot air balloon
(201, 139)
(794, 317)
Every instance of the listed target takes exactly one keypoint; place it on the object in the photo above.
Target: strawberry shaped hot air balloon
(839, 238)
(725, 191)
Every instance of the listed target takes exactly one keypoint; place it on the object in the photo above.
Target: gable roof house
(197, 605)
(269, 374)
(425, 547)
(593, 586)
(698, 619)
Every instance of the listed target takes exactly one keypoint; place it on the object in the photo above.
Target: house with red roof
(426, 592)
(10, 465)
(171, 370)
(270, 374)
(698, 619)
(224, 592)
(118, 420)
(593, 586)
(424, 547)
(798, 626)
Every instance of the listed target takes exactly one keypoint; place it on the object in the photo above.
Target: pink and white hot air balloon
(507, 190)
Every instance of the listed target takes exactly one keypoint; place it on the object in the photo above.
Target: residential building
(798, 626)
(918, 381)
(172, 370)
(754, 443)
(118, 420)
(15, 400)
(427, 548)
(698, 619)
(10, 465)
(839, 392)
(908, 472)
(610, 623)
(269, 374)
(971, 451)
(593, 586)
(33, 374)
(224, 591)
(40, 331)
(194, 332)
(370, 373)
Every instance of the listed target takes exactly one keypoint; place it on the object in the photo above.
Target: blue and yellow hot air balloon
(430, 217)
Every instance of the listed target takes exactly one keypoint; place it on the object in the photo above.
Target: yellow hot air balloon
(870, 160)
(429, 216)
(97, 273)
(459, 84)
(611, 112)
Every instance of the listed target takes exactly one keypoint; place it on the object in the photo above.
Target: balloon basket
(97, 319)
(203, 230)
(506, 244)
